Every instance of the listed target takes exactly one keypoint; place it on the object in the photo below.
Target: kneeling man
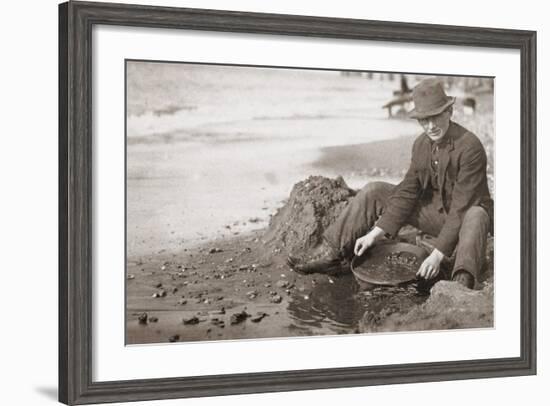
(444, 193)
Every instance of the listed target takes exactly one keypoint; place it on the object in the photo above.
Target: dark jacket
(463, 184)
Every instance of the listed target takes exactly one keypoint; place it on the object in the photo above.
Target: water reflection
(331, 303)
(340, 304)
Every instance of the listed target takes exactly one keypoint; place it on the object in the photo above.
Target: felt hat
(429, 99)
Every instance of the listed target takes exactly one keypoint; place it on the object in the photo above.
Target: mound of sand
(312, 206)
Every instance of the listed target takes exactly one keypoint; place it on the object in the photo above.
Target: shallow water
(340, 304)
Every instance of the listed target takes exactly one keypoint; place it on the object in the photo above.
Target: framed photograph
(258, 202)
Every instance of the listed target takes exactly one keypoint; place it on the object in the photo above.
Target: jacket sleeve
(470, 179)
(402, 201)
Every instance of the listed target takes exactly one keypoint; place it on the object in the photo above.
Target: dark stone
(237, 318)
(191, 321)
(258, 317)
(142, 319)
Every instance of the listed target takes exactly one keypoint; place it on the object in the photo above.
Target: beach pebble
(182, 302)
(131, 276)
(239, 317)
(220, 311)
(161, 293)
(215, 250)
(283, 284)
(258, 317)
(218, 322)
(142, 318)
(276, 299)
(174, 338)
(153, 319)
(252, 294)
(158, 285)
(191, 320)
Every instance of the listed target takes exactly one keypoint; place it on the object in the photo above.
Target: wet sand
(223, 278)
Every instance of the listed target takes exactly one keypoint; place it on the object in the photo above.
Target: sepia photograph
(274, 202)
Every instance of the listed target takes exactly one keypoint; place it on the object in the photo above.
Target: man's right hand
(368, 240)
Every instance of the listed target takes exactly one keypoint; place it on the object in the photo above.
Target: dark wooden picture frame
(76, 20)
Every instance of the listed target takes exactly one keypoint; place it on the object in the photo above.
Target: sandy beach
(206, 171)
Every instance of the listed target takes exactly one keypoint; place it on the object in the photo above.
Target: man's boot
(465, 278)
(323, 259)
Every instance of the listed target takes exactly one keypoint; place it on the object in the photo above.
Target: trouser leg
(358, 217)
(472, 241)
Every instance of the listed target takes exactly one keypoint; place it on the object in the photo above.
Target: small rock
(191, 321)
(252, 294)
(174, 338)
(276, 299)
(218, 322)
(131, 276)
(258, 317)
(215, 250)
(142, 319)
(153, 319)
(162, 293)
(158, 285)
(182, 301)
(282, 284)
(237, 318)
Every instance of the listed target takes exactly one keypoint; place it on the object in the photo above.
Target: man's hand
(430, 267)
(368, 240)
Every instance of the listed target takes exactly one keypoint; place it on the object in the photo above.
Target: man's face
(436, 126)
